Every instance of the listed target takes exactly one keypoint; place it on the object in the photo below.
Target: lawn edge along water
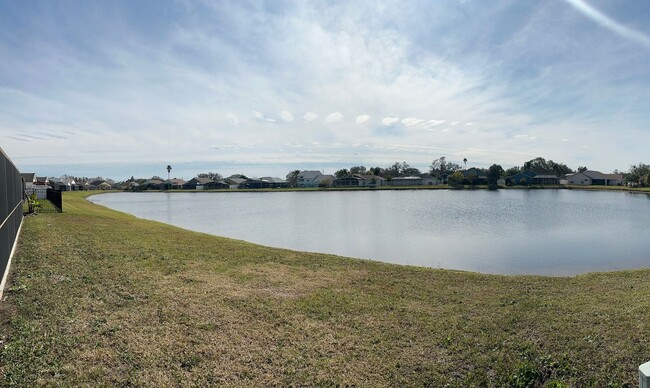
(100, 297)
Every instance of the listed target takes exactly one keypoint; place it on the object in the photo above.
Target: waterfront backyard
(98, 297)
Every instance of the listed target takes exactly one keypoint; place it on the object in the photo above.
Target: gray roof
(599, 175)
(203, 181)
(594, 174)
(309, 175)
(369, 177)
(28, 176)
(273, 180)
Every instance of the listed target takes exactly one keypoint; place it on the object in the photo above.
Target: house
(542, 179)
(430, 180)
(174, 183)
(276, 183)
(83, 186)
(236, 183)
(94, 184)
(475, 176)
(150, 184)
(194, 182)
(359, 180)
(522, 178)
(371, 180)
(65, 184)
(590, 177)
(256, 184)
(204, 184)
(29, 178)
(98, 184)
(41, 181)
(348, 181)
(415, 180)
(406, 181)
(314, 179)
(40, 186)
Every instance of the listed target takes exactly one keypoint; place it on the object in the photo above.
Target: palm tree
(169, 169)
(465, 162)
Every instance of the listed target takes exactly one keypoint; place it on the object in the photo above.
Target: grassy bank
(103, 298)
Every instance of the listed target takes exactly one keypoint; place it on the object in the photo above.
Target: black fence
(11, 214)
(49, 200)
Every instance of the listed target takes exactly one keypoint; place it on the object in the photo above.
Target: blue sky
(124, 88)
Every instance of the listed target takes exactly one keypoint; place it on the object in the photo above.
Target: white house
(313, 179)
(590, 177)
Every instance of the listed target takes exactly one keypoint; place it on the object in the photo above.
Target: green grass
(103, 298)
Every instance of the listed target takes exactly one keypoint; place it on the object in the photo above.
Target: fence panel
(11, 211)
(55, 197)
(50, 200)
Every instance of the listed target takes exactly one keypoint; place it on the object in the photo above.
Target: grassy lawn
(103, 298)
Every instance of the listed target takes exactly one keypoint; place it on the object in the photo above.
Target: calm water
(550, 232)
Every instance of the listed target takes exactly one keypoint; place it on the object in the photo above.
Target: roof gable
(29, 176)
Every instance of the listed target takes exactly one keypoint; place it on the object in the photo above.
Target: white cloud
(286, 116)
(367, 60)
(362, 119)
(334, 117)
(388, 121)
(432, 123)
(410, 121)
(232, 118)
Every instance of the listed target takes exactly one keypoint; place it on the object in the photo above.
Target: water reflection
(553, 232)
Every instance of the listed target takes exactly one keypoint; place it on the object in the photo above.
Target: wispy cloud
(387, 121)
(345, 80)
(609, 23)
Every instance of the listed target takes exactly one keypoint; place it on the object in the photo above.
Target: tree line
(452, 172)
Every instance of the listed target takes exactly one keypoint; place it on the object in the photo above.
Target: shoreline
(642, 190)
(99, 297)
(566, 274)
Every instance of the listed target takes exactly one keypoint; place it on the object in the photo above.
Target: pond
(545, 232)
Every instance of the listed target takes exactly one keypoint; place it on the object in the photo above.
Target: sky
(124, 88)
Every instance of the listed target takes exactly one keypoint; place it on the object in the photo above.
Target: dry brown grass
(103, 298)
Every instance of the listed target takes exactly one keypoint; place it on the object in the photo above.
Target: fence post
(644, 375)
